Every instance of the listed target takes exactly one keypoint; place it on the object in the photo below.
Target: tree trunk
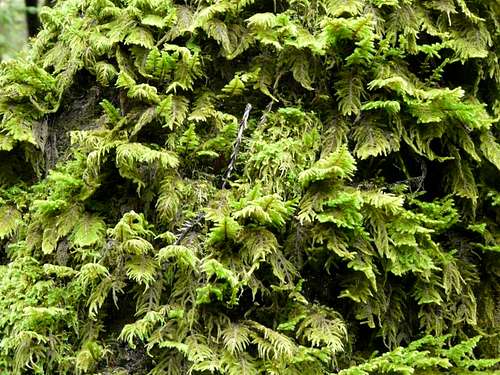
(32, 20)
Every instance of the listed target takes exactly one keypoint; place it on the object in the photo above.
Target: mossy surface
(252, 187)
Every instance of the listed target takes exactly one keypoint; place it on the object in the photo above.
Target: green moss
(251, 187)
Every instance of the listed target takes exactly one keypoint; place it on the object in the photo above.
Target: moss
(251, 188)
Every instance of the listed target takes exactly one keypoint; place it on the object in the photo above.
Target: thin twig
(268, 109)
(189, 225)
(415, 181)
(237, 143)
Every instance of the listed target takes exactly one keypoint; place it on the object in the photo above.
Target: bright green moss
(360, 212)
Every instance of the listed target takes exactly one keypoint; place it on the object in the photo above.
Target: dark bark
(32, 20)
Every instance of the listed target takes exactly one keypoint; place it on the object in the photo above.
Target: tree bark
(32, 20)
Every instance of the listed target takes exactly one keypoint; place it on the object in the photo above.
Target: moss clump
(251, 187)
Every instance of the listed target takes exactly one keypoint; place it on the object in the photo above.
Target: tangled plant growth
(361, 213)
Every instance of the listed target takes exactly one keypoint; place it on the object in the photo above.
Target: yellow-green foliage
(360, 211)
